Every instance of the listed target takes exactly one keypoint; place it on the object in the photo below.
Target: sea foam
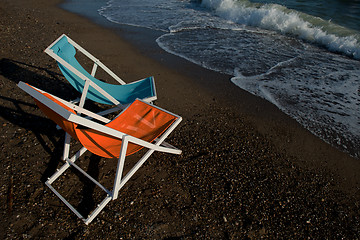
(281, 19)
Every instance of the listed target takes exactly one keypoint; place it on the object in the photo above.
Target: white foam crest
(280, 19)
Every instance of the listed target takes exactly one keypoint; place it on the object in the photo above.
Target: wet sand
(246, 171)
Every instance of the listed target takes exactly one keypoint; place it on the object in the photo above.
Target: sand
(246, 171)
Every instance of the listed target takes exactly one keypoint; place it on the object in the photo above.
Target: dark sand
(246, 171)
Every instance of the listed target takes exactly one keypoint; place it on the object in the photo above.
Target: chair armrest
(153, 146)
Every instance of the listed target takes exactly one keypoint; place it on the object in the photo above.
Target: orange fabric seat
(139, 120)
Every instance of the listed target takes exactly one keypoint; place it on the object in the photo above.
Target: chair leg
(134, 169)
(119, 182)
(120, 167)
(98, 209)
(91, 217)
(71, 162)
(66, 165)
(66, 146)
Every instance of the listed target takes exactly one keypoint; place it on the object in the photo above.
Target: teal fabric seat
(125, 94)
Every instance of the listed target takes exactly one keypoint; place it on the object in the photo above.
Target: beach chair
(140, 125)
(64, 49)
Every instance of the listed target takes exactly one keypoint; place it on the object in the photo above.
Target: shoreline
(225, 92)
(247, 169)
(144, 39)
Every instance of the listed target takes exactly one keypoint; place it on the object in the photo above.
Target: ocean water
(301, 55)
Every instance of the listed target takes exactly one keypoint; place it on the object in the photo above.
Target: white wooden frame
(88, 81)
(159, 145)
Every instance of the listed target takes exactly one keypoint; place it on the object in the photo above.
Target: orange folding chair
(140, 125)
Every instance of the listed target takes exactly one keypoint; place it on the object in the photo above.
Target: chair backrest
(140, 120)
(123, 93)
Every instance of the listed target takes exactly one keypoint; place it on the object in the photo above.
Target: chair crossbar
(93, 71)
(64, 201)
(67, 161)
(94, 213)
(88, 176)
(98, 210)
(59, 172)
(132, 171)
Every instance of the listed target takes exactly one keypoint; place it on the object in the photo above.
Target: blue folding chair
(63, 50)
